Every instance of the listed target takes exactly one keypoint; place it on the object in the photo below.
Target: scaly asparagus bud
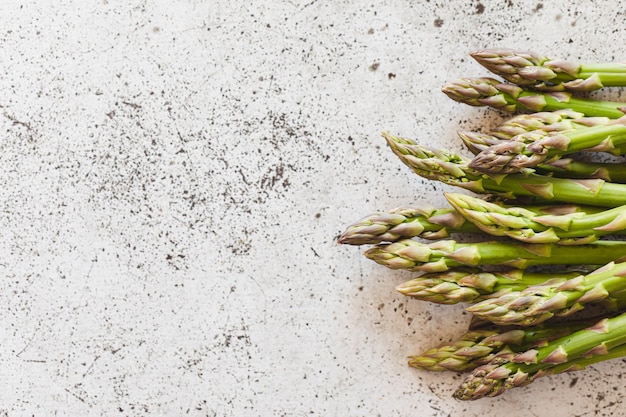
(443, 255)
(507, 62)
(402, 223)
(460, 355)
(543, 73)
(538, 147)
(511, 98)
(602, 341)
(541, 302)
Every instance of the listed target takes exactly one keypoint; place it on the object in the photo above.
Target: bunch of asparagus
(535, 200)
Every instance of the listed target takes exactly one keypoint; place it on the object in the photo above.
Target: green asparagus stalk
(429, 223)
(555, 121)
(544, 301)
(562, 167)
(452, 169)
(478, 142)
(481, 346)
(522, 152)
(401, 223)
(544, 73)
(482, 383)
(603, 341)
(525, 225)
(512, 98)
(581, 363)
(463, 285)
(571, 168)
(445, 254)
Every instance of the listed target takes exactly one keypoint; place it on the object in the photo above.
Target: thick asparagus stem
(602, 341)
(541, 302)
(543, 73)
(525, 225)
(539, 147)
(452, 169)
(511, 98)
(470, 286)
(402, 223)
(443, 255)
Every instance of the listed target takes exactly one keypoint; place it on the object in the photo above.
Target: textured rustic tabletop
(174, 175)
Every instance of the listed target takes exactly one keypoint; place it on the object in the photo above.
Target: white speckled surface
(174, 175)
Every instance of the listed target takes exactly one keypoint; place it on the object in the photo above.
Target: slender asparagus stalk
(603, 341)
(481, 346)
(571, 168)
(443, 255)
(555, 121)
(561, 168)
(525, 225)
(429, 223)
(581, 363)
(401, 223)
(521, 152)
(544, 73)
(544, 301)
(518, 126)
(473, 285)
(452, 169)
(511, 98)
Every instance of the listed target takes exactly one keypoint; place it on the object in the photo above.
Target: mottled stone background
(173, 178)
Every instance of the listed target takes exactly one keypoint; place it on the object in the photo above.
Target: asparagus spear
(424, 222)
(483, 384)
(555, 121)
(481, 346)
(452, 169)
(517, 126)
(544, 301)
(562, 167)
(525, 225)
(538, 147)
(445, 254)
(428, 223)
(511, 98)
(473, 285)
(603, 341)
(544, 73)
